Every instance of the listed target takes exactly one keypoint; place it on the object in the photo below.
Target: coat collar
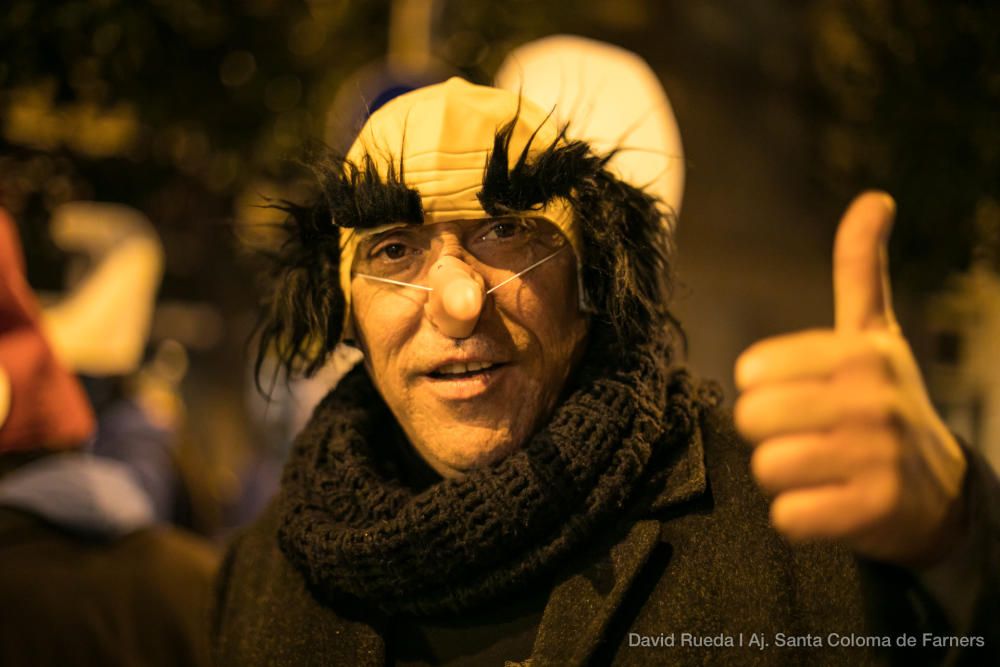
(582, 605)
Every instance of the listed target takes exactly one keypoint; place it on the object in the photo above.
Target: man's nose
(457, 297)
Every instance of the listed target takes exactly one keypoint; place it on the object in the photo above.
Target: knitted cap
(439, 138)
(47, 407)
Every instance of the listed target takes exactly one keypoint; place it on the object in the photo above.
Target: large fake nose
(456, 299)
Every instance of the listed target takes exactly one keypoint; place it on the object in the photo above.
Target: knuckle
(885, 496)
(869, 356)
(894, 492)
(755, 349)
(790, 521)
(882, 407)
(781, 516)
(888, 343)
(741, 415)
(763, 469)
(872, 357)
(746, 416)
(881, 364)
(892, 450)
(895, 409)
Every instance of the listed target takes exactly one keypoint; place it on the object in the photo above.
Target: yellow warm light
(101, 132)
(33, 119)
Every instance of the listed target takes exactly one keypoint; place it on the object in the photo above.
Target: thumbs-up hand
(845, 438)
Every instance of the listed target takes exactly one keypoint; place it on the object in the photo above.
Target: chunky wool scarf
(356, 532)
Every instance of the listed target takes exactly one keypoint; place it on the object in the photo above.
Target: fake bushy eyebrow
(554, 171)
(358, 197)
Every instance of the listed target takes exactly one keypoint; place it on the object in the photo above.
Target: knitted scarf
(355, 531)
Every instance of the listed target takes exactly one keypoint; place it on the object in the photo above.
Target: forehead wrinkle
(443, 214)
(441, 161)
(445, 151)
(440, 180)
(438, 170)
(447, 193)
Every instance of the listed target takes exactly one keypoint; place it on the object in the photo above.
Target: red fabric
(48, 408)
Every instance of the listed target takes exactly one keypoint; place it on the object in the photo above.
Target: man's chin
(466, 455)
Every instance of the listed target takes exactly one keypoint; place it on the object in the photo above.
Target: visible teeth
(455, 369)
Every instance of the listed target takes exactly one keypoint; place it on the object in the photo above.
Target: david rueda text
(758, 640)
(687, 639)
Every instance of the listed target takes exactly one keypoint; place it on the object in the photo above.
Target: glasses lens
(512, 243)
(509, 243)
(397, 254)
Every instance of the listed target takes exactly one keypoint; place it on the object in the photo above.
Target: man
(521, 471)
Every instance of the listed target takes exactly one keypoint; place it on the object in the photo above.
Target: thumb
(862, 296)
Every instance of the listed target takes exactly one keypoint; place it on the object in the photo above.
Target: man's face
(530, 334)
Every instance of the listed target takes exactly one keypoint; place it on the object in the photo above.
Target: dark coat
(706, 567)
(70, 600)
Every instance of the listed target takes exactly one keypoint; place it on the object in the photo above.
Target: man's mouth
(460, 370)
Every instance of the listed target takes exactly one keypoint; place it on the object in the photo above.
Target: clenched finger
(816, 459)
(809, 405)
(815, 354)
(835, 511)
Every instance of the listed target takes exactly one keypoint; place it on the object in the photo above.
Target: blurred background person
(99, 327)
(86, 574)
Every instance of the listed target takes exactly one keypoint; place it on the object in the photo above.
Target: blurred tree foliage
(188, 109)
(907, 97)
(177, 107)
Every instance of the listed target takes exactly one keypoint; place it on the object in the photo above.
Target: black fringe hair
(302, 316)
(626, 244)
(627, 272)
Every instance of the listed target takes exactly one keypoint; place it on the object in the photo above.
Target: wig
(303, 312)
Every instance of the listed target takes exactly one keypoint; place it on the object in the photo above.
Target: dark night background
(193, 112)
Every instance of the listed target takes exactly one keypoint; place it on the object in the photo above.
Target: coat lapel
(582, 606)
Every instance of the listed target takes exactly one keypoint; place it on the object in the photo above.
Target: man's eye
(391, 251)
(506, 229)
